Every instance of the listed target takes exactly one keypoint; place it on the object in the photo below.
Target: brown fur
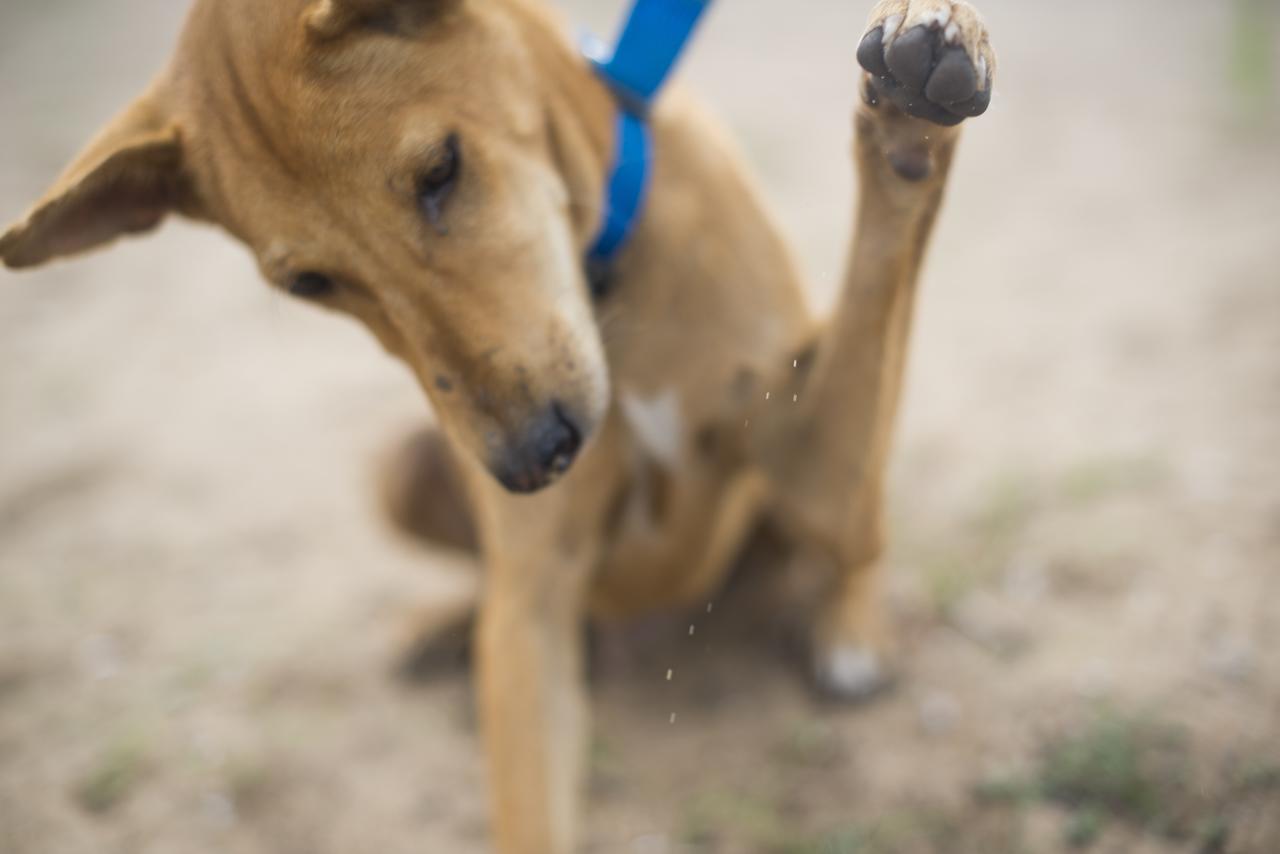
(301, 127)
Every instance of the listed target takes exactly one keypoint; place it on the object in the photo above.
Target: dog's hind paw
(932, 59)
(850, 673)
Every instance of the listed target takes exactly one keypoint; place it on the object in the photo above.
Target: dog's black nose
(559, 442)
(547, 450)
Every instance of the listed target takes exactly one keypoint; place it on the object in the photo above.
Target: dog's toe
(871, 52)
(974, 106)
(935, 64)
(911, 58)
(954, 78)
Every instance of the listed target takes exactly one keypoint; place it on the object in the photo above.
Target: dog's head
(407, 162)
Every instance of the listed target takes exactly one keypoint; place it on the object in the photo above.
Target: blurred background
(200, 607)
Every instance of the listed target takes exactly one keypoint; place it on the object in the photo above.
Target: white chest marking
(657, 425)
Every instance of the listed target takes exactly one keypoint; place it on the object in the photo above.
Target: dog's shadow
(704, 713)
(754, 630)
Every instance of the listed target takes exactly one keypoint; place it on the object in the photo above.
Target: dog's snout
(559, 443)
(545, 451)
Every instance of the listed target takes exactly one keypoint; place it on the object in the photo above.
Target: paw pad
(924, 72)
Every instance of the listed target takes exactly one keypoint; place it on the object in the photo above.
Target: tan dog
(435, 168)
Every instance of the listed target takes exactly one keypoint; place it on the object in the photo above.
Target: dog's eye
(436, 184)
(311, 286)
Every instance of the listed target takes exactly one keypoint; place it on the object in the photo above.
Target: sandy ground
(199, 605)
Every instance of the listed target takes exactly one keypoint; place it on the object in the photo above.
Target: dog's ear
(329, 19)
(125, 181)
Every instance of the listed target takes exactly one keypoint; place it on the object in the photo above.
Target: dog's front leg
(928, 66)
(540, 553)
(532, 707)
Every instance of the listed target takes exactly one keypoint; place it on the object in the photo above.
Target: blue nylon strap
(627, 185)
(651, 42)
(650, 45)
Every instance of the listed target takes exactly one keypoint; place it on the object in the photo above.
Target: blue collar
(655, 35)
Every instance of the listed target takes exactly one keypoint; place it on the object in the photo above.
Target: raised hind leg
(928, 65)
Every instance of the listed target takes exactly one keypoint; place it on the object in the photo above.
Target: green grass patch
(1011, 790)
(716, 815)
(893, 833)
(1009, 504)
(1083, 828)
(810, 743)
(1115, 766)
(1213, 836)
(112, 777)
(1252, 51)
(1089, 481)
(1142, 772)
(1257, 776)
(978, 553)
(743, 820)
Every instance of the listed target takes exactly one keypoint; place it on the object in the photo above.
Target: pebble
(218, 810)
(1230, 657)
(1095, 682)
(1027, 580)
(651, 843)
(999, 626)
(939, 713)
(100, 656)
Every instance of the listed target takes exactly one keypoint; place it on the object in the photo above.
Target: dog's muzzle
(545, 451)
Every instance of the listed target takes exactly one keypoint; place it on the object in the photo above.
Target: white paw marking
(891, 25)
(851, 671)
(938, 19)
(952, 34)
(657, 425)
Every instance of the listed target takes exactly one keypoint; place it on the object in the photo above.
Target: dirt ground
(199, 606)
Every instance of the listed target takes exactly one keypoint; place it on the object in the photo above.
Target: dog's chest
(657, 423)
